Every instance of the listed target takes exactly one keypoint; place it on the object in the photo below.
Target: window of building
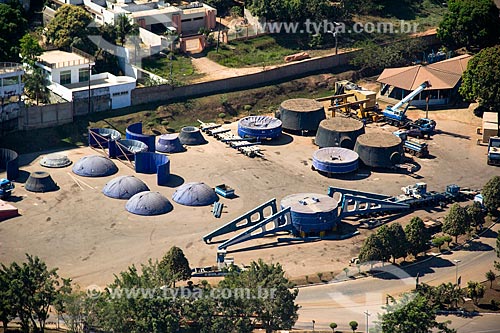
(65, 77)
(83, 74)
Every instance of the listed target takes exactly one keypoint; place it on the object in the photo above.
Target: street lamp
(457, 261)
(334, 34)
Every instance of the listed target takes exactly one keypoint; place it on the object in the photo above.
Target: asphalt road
(349, 299)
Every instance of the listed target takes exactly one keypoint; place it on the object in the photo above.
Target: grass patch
(260, 51)
(183, 71)
(271, 49)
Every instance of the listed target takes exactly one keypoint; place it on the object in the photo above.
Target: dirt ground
(91, 237)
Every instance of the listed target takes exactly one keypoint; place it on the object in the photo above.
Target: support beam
(353, 205)
(281, 221)
(332, 190)
(243, 221)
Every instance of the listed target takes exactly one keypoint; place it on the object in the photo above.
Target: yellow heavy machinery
(353, 100)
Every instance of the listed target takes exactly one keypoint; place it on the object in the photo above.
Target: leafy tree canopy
(470, 23)
(413, 313)
(417, 236)
(457, 221)
(175, 266)
(480, 80)
(70, 22)
(491, 194)
(30, 49)
(12, 25)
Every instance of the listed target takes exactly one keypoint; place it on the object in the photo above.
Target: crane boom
(397, 117)
(411, 95)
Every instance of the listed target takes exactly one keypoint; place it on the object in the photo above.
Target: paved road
(347, 300)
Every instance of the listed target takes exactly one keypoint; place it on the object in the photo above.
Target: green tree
(417, 236)
(457, 222)
(447, 239)
(476, 214)
(293, 10)
(7, 312)
(30, 49)
(70, 306)
(69, 24)
(470, 23)
(278, 310)
(34, 288)
(475, 290)
(412, 313)
(480, 81)
(174, 266)
(371, 249)
(124, 308)
(443, 296)
(490, 276)
(35, 85)
(373, 58)
(333, 326)
(354, 325)
(124, 27)
(491, 191)
(438, 242)
(399, 243)
(12, 25)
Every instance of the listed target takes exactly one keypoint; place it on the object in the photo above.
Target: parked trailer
(412, 146)
(494, 151)
(417, 195)
(224, 190)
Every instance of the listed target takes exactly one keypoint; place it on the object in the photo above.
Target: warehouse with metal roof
(444, 77)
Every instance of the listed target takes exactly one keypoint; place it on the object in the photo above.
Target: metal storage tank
(334, 160)
(259, 127)
(311, 213)
(40, 181)
(9, 161)
(195, 194)
(191, 136)
(124, 187)
(339, 132)
(379, 150)
(94, 166)
(301, 114)
(169, 143)
(148, 203)
(55, 161)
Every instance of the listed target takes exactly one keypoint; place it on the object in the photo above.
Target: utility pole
(368, 314)
(457, 261)
(90, 68)
(218, 34)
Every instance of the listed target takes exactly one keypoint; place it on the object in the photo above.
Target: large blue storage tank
(334, 160)
(259, 127)
(311, 213)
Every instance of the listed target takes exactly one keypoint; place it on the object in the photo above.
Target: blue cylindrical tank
(259, 127)
(311, 213)
(335, 160)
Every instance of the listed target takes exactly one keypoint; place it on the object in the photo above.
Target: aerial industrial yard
(101, 238)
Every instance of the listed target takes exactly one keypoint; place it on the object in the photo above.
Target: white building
(155, 16)
(11, 85)
(69, 74)
(11, 79)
